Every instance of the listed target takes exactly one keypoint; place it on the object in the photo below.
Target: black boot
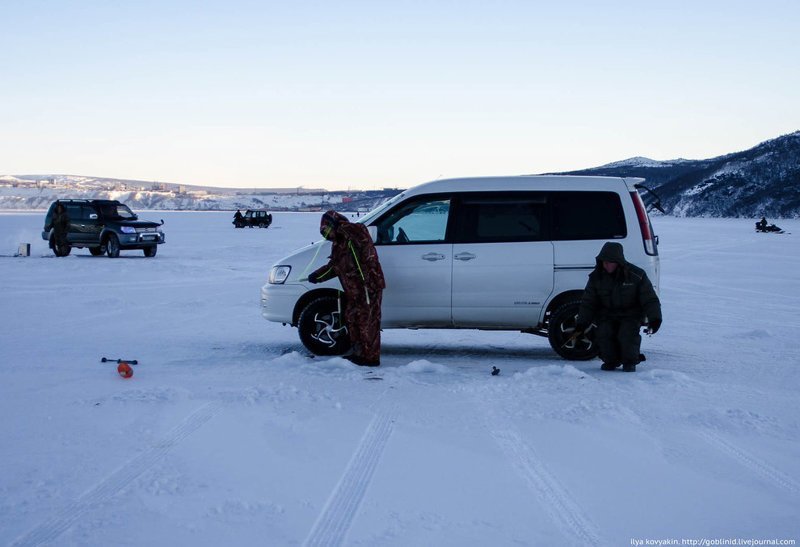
(628, 368)
(360, 361)
(609, 366)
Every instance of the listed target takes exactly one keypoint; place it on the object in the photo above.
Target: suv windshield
(111, 210)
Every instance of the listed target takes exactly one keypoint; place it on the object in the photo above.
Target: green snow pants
(619, 340)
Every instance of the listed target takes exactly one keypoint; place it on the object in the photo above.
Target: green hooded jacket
(626, 293)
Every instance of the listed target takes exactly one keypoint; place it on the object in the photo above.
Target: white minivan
(493, 253)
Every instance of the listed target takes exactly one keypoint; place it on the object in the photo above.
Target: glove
(312, 278)
(654, 325)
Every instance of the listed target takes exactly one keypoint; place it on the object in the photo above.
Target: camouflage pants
(363, 323)
(619, 340)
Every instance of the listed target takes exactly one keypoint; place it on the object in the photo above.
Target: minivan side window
(416, 221)
(588, 215)
(502, 217)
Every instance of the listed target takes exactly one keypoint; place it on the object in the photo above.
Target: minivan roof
(526, 182)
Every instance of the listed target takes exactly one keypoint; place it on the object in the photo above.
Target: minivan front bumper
(278, 301)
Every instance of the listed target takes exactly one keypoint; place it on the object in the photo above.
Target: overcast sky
(370, 94)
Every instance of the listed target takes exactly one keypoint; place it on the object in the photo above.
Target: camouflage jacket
(353, 256)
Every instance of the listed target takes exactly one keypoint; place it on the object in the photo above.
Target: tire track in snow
(754, 464)
(52, 528)
(341, 508)
(555, 499)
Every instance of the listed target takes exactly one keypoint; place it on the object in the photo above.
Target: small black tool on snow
(495, 371)
(129, 361)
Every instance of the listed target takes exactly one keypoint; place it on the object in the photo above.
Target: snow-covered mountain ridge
(764, 180)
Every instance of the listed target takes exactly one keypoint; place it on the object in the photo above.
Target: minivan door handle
(464, 256)
(433, 257)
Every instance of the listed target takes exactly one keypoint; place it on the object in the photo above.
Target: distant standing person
(237, 218)
(355, 261)
(618, 297)
(60, 229)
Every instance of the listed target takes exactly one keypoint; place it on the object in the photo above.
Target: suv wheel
(322, 329)
(562, 327)
(96, 251)
(151, 251)
(112, 246)
(59, 249)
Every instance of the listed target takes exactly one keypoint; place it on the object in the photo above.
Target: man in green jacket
(619, 298)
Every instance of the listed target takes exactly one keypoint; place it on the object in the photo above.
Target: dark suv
(253, 218)
(102, 226)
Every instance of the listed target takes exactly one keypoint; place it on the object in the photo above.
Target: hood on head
(611, 252)
(330, 221)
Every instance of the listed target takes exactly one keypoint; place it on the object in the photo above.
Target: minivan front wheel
(561, 335)
(112, 246)
(321, 327)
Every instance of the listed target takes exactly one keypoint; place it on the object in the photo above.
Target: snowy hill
(640, 161)
(23, 192)
(764, 180)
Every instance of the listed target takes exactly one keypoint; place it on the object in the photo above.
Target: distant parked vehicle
(253, 218)
(102, 226)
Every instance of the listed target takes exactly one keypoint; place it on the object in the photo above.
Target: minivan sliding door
(502, 259)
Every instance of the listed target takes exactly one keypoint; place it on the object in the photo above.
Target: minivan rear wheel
(321, 327)
(562, 327)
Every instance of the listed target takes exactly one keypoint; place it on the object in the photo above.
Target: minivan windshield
(116, 211)
(366, 219)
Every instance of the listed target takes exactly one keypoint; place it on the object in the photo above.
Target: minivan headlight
(127, 229)
(279, 274)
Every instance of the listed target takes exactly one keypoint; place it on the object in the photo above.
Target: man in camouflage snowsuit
(618, 297)
(355, 261)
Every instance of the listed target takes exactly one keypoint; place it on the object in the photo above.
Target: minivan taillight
(644, 224)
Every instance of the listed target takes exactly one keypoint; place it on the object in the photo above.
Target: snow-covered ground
(229, 434)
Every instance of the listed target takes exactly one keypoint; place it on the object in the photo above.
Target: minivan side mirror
(373, 233)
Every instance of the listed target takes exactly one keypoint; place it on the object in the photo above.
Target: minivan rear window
(588, 215)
